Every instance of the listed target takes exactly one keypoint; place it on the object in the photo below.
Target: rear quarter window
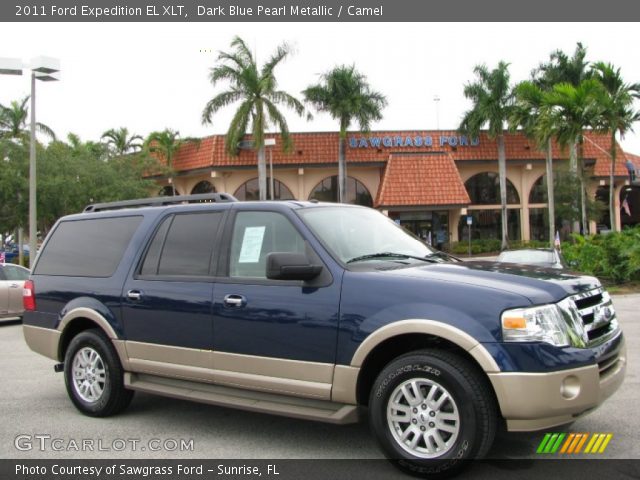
(87, 248)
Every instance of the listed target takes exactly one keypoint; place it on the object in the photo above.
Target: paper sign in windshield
(251, 245)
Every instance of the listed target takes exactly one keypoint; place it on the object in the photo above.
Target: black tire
(114, 397)
(472, 407)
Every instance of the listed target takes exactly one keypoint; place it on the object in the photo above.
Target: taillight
(29, 296)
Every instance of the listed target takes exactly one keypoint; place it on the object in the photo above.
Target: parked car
(12, 278)
(539, 257)
(318, 311)
(11, 253)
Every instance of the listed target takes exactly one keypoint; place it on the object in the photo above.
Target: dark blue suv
(317, 311)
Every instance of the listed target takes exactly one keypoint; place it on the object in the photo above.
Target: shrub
(612, 256)
(491, 245)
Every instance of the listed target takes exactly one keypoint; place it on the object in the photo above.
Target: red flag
(625, 206)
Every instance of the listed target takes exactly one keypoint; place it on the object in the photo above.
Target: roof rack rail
(161, 201)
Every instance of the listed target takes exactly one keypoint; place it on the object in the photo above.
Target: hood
(539, 284)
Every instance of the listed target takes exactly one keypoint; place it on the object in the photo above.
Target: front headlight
(558, 324)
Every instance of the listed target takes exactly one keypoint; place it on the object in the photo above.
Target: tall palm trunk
(573, 168)
(502, 173)
(612, 212)
(550, 196)
(342, 163)
(262, 173)
(583, 191)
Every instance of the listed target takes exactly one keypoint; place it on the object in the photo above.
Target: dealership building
(432, 182)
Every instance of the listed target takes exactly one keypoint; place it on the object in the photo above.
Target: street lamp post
(436, 99)
(45, 69)
(270, 142)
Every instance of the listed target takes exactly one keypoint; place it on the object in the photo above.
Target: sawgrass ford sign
(388, 141)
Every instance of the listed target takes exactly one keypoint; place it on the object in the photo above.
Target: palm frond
(219, 101)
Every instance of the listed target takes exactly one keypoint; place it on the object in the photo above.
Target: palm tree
(618, 115)
(492, 97)
(527, 112)
(345, 94)
(13, 122)
(562, 69)
(257, 91)
(120, 142)
(567, 111)
(165, 144)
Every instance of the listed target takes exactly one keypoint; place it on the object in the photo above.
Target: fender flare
(102, 323)
(427, 327)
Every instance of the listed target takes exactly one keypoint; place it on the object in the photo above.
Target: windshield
(360, 234)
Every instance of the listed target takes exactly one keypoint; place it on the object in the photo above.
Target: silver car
(12, 278)
(539, 257)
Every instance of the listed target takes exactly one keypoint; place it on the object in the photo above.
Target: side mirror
(291, 266)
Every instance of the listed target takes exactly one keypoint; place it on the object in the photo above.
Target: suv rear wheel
(431, 410)
(94, 376)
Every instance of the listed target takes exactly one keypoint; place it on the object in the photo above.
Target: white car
(12, 278)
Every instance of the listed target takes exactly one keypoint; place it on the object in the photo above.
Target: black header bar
(317, 11)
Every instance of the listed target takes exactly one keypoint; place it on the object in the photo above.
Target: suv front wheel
(94, 376)
(431, 411)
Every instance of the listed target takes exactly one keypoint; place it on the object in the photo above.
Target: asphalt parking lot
(33, 401)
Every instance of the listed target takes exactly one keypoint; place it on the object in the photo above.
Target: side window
(183, 245)
(256, 234)
(91, 247)
(16, 273)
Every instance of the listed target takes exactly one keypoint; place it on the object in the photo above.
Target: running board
(304, 408)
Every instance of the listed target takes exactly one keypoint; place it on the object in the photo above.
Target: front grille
(597, 314)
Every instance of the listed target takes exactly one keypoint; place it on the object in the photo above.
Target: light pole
(436, 99)
(270, 142)
(44, 69)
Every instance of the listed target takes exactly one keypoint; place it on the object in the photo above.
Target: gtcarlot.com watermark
(49, 443)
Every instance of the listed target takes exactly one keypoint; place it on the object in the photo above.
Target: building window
(327, 191)
(538, 193)
(429, 226)
(251, 191)
(630, 206)
(203, 187)
(539, 223)
(166, 191)
(487, 224)
(484, 189)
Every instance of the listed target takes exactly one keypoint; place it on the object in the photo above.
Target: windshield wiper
(371, 256)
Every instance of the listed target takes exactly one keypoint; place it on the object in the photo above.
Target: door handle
(235, 301)
(14, 285)
(134, 294)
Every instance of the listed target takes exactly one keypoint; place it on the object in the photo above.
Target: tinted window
(152, 259)
(257, 234)
(14, 272)
(87, 248)
(186, 245)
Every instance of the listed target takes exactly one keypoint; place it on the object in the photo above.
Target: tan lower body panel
(307, 409)
(535, 401)
(42, 340)
(279, 376)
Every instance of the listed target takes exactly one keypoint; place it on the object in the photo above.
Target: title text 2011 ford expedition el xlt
(314, 311)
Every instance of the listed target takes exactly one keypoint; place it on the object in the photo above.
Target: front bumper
(536, 401)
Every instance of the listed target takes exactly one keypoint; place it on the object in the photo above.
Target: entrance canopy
(422, 179)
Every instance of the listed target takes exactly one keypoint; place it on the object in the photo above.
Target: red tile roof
(322, 148)
(421, 180)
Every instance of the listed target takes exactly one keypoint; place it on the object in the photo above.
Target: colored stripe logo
(574, 443)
